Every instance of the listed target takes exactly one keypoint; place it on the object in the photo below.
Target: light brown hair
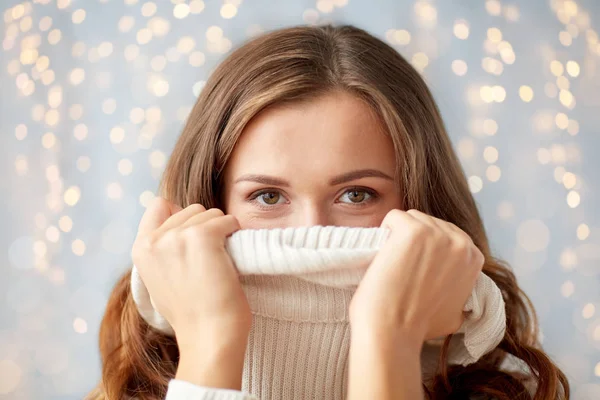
(298, 64)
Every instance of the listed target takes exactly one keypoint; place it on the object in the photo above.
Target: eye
(267, 198)
(358, 196)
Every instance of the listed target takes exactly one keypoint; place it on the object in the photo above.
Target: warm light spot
(565, 38)
(573, 68)
(143, 36)
(79, 325)
(569, 180)
(567, 289)
(486, 93)
(78, 16)
(11, 375)
(52, 234)
(158, 63)
(48, 140)
(573, 127)
(573, 199)
(109, 106)
(83, 163)
(559, 157)
(214, 34)
(526, 93)
(186, 44)
(197, 59)
(544, 156)
(494, 35)
(131, 52)
(75, 111)
(498, 93)
(105, 49)
(77, 76)
(492, 66)
(461, 29)
(148, 9)
(117, 134)
(566, 98)
(493, 173)
(533, 235)
(146, 197)
(126, 23)
(556, 68)
(159, 26)
(160, 88)
(78, 247)
(583, 231)
(475, 184)
(65, 223)
(401, 37)
(80, 132)
(114, 191)
(21, 131)
(228, 11)
(157, 159)
(420, 60)
(137, 115)
(493, 7)
(561, 120)
(459, 67)
(490, 127)
(196, 6)
(72, 195)
(568, 259)
(125, 167)
(181, 10)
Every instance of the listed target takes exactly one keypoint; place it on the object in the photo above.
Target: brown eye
(270, 198)
(356, 196)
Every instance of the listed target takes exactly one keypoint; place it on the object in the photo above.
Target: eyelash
(373, 196)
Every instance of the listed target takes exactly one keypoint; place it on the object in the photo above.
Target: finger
(181, 217)
(396, 219)
(157, 212)
(202, 217)
(222, 226)
(424, 218)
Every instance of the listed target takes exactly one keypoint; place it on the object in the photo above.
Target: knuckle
(196, 208)
(217, 212)
(197, 233)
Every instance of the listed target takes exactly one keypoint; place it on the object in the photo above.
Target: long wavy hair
(300, 63)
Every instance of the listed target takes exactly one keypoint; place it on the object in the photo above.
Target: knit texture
(299, 282)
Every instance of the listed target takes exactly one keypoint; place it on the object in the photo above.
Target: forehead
(331, 133)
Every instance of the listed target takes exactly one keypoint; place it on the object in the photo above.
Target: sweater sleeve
(183, 390)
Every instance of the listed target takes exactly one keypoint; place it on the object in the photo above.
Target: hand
(182, 260)
(420, 280)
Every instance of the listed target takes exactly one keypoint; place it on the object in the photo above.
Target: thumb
(158, 211)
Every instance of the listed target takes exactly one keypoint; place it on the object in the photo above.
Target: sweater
(299, 282)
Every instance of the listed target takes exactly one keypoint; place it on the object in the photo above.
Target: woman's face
(323, 162)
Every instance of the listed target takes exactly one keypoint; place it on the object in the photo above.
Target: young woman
(309, 126)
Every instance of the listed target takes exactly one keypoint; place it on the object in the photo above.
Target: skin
(323, 162)
(306, 147)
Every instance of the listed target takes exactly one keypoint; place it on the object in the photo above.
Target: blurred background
(95, 92)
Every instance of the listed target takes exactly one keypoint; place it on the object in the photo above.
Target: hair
(300, 63)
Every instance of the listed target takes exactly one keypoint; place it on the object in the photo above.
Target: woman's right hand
(182, 260)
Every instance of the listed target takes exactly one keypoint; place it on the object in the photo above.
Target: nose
(312, 214)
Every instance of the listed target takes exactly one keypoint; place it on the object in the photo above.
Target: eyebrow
(338, 180)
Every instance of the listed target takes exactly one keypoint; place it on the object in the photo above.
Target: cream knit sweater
(299, 283)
